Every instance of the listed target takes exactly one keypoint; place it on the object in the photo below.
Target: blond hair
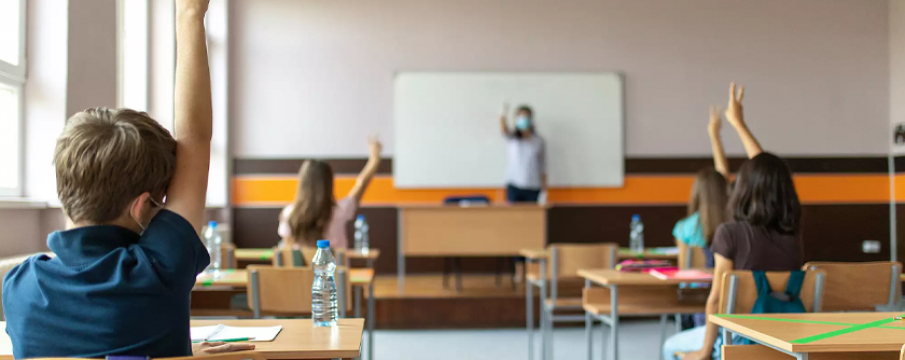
(312, 209)
(106, 158)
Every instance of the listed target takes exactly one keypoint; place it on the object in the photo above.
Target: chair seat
(642, 309)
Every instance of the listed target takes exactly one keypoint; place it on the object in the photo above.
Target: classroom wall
(21, 229)
(313, 78)
(897, 68)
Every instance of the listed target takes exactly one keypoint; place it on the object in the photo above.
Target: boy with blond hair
(135, 197)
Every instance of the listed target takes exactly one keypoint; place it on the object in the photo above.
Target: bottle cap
(360, 217)
(212, 224)
(636, 217)
(323, 244)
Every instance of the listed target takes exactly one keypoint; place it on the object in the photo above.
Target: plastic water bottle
(323, 291)
(636, 235)
(213, 242)
(361, 235)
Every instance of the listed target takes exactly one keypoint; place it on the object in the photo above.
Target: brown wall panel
(835, 232)
(584, 224)
(291, 166)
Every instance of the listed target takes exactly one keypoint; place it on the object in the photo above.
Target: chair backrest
(691, 257)
(283, 257)
(740, 287)
(287, 291)
(228, 256)
(877, 284)
(567, 259)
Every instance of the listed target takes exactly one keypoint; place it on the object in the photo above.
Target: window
(133, 54)
(12, 81)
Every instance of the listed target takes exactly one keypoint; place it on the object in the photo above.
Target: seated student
(135, 198)
(764, 235)
(315, 214)
(709, 195)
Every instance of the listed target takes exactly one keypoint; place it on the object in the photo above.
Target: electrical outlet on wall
(870, 247)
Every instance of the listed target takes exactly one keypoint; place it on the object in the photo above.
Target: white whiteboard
(447, 128)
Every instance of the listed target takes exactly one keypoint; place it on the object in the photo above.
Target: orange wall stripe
(900, 188)
(278, 190)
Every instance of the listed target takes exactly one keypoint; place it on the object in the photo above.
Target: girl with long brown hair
(315, 214)
(709, 195)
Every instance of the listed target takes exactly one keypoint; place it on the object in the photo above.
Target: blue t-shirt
(691, 233)
(109, 291)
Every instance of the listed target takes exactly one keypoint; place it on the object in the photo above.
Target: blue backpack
(772, 302)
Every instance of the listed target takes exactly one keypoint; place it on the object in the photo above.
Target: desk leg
(588, 326)
(357, 302)
(400, 253)
(664, 318)
(371, 321)
(614, 317)
(529, 315)
(543, 309)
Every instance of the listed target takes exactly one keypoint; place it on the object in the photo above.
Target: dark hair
(518, 133)
(765, 195)
(709, 196)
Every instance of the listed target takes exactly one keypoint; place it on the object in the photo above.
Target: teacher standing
(526, 169)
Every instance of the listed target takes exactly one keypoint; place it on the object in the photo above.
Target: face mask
(522, 123)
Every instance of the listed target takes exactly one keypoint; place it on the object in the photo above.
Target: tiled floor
(639, 340)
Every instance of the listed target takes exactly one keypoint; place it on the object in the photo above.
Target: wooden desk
(359, 278)
(299, 339)
(648, 254)
(239, 278)
(254, 255)
(649, 296)
(454, 231)
(266, 255)
(820, 333)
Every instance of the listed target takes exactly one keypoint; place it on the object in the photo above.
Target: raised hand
(197, 6)
(374, 146)
(504, 110)
(734, 114)
(715, 122)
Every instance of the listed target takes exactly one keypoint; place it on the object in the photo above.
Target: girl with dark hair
(763, 234)
(526, 170)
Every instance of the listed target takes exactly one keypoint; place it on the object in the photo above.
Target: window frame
(16, 73)
(17, 191)
(14, 76)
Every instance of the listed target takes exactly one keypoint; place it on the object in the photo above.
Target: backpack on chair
(774, 302)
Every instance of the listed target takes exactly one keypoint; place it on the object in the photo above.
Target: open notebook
(222, 332)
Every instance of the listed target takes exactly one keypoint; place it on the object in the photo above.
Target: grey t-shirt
(526, 161)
